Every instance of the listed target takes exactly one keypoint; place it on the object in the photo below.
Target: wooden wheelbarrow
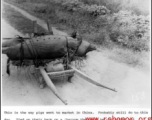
(68, 75)
(48, 77)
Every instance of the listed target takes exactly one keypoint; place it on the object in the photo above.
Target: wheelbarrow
(49, 76)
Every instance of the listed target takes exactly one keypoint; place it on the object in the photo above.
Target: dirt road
(133, 86)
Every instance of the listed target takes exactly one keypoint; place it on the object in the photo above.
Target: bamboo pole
(50, 84)
(49, 28)
(35, 27)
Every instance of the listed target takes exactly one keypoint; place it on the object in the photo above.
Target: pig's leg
(8, 66)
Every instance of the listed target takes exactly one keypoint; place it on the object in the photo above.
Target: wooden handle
(87, 78)
(50, 84)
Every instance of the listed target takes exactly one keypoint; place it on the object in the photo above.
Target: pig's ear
(74, 34)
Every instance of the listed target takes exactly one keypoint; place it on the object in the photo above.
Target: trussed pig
(43, 47)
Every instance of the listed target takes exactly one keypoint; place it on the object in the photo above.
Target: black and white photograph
(76, 52)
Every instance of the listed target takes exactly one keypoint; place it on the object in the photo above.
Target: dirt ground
(22, 88)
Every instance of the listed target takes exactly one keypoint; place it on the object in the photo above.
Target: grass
(138, 6)
(18, 21)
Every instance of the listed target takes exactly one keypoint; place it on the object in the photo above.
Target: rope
(76, 49)
(30, 52)
(21, 49)
(67, 56)
(36, 53)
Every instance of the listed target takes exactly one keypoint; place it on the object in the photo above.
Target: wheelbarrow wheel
(69, 79)
(42, 83)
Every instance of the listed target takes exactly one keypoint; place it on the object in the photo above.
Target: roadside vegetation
(18, 21)
(107, 24)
